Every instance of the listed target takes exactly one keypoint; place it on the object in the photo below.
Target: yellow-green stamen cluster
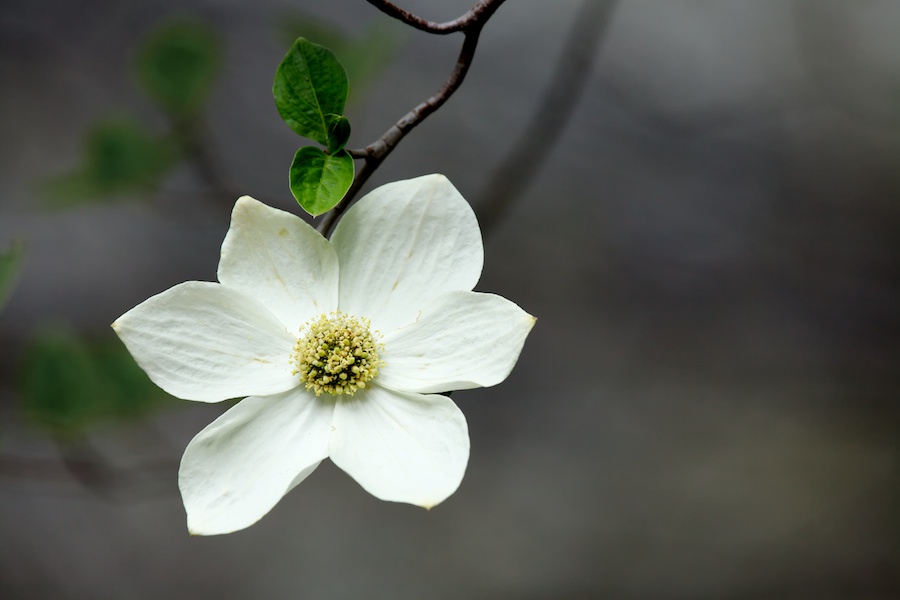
(336, 354)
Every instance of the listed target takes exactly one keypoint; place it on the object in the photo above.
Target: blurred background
(704, 219)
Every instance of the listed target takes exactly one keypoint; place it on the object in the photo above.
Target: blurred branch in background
(570, 76)
(80, 462)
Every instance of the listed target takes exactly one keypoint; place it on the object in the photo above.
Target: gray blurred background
(707, 407)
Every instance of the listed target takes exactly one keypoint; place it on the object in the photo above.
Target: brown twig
(477, 13)
(470, 24)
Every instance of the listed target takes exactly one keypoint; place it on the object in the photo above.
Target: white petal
(281, 261)
(461, 340)
(236, 469)
(403, 244)
(203, 341)
(401, 447)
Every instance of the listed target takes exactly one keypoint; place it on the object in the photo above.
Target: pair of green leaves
(310, 92)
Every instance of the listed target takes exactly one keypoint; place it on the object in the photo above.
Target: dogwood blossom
(338, 348)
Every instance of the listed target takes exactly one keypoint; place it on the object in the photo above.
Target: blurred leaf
(68, 384)
(127, 391)
(319, 180)
(178, 65)
(310, 84)
(364, 56)
(338, 132)
(10, 265)
(58, 384)
(120, 157)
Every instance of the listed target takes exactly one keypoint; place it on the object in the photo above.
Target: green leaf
(310, 84)
(10, 265)
(319, 180)
(178, 64)
(68, 384)
(121, 157)
(338, 133)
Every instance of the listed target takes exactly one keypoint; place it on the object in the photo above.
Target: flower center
(336, 354)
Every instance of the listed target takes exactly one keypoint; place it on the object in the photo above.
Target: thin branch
(570, 76)
(92, 471)
(478, 13)
(192, 137)
(375, 153)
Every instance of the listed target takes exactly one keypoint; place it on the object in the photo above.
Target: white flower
(387, 309)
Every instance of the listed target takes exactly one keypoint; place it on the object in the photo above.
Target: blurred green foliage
(69, 384)
(10, 266)
(177, 66)
(365, 56)
(120, 157)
